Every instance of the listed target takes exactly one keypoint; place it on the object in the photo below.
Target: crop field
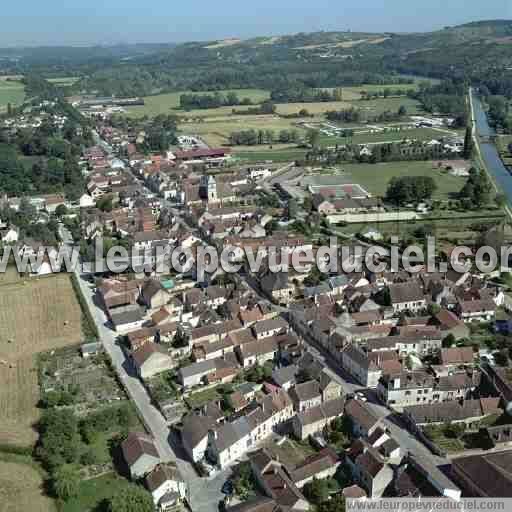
(22, 489)
(375, 177)
(19, 394)
(170, 103)
(38, 315)
(11, 92)
(35, 316)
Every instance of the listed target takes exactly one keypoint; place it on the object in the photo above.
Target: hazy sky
(37, 22)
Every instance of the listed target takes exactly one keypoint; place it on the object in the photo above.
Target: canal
(490, 154)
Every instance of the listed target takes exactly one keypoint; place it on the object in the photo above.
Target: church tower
(212, 190)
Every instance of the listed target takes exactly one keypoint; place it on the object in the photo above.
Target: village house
(407, 297)
(315, 419)
(356, 363)
(449, 323)
(362, 419)
(127, 318)
(485, 475)
(194, 435)
(151, 359)
(411, 388)
(277, 287)
(194, 374)
(231, 440)
(369, 469)
(306, 395)
(478, 310)
(323, 464)
(167, 486)
(285, 377)
(276, 483)
(269, 328)
(469, 412)
(140, 454)
(153, 294)
(257, 352)
(457, 356)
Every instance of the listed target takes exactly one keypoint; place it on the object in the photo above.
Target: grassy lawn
(169, 103)
(389, 136)
(354, 93)
(202, 397)
(276, 155)
(447, 444)
(93, 492)
(313, 108)
(291, 452)
(380, 105)
(216, 130)
(375, 177)
(11, 92)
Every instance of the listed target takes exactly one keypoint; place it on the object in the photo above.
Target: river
(489, 151)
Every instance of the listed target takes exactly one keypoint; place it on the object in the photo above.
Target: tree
(501, 200)
(410, 189)
(105, 203)
(402, 111)
(433, 309)
(449, 341)
(317, 491)
(336, 504)
(132, 499)
(65, 482)
(61, 210)
(468, 144)
(312, 137)
(293, 209)
(477, 189)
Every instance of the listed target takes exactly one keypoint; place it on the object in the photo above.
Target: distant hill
(474, 51)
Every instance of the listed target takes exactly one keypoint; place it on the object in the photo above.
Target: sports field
(387, 136)
(375, 177)
(36, 315)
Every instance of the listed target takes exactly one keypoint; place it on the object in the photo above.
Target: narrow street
(205, 494)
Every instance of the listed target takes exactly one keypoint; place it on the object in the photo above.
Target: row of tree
(301, 94)
(216, 100)
(257, 137)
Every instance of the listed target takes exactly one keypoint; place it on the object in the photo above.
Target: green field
(92, 493)
(316, 108)
(354, 93)
(216, 131)
(63, 81)
(11, 92)
(170, 103)
(375, 177)
(389, 136)
(276, 155)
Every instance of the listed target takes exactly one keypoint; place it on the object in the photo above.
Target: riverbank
(487, 152)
